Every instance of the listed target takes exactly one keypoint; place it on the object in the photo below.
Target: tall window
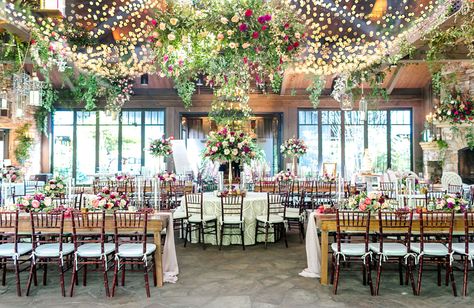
(336, 136)
(88, 142)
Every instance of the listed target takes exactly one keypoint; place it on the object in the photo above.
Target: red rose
(243, 27)
(289, 48)
(154, 22)
(255, 35)
(296, 44)
(286, 26)
(248, 13)
(264, 27)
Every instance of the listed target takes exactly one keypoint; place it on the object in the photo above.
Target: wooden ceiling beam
(392, 83)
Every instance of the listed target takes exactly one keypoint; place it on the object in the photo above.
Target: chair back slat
(266, 185)
(232, 206)
(353, 222)
(126, 223)
(455, 189)
(9, 227)
(276, 204)
(436, 227)
(194, 205)
(51, 224)
(395, 223)
(88, 227)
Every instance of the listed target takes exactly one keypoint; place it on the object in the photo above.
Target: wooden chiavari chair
(455, 189)
(274, 218)
(197, 220)
(295, 216)
(436, 230)
(232, 209)
(355, 223)
(49, 246)
(266, 185)
(388, 189)
(133, 250)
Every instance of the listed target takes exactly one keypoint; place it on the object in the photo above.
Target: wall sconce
(144, 80)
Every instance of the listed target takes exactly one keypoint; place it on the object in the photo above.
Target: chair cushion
(135, 250)
(349, 249)
(179, 215)
(93, 250)
(52, 250)
(430, 249)
(197, 218)
(8, 250)
(460, 248)
(274, 219)
(390, 249)
(232, 219)
(293, 214)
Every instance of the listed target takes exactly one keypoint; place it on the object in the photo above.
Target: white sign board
(180, 157)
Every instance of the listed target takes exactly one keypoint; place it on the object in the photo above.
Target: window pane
(63, 117)
(131, 141)
(308, 131)
(151, 133)
(331, 137)
(401, 140)
(377, 135)
(108, 143)
(62, 154)
(85, 154)
(354, 142)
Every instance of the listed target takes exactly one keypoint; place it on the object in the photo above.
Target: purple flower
(243, 27)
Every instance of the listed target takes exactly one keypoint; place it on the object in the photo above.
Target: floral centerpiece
(232, 192)
(284, 176)
(167, 176)
(228, 145)
(11, 174)
(123, 177)
(404, 178)
(450, 202)
(109, 200)
(161, 148)
(327, 178)
(34, 203)
(294, 148)
(458, 109)
(372, 201)
(55, 187)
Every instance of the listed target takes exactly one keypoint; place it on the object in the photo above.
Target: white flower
(235, 152)
(239, 145)
(171, 37)
(230, 32)
(214, 149)
(224, 20)
(226, 152)
(297, 35)
(231, 139)
(232, 45)
(245, 45)
(162, 26)
(47, 201)
(225, 143)
(173, 21)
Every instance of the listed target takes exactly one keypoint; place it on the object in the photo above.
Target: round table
(255, 204)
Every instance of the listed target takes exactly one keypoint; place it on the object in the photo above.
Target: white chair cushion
(293, 214)
(135, 250)
(163, 232)
(93, 250)
(232, 219)
(430, 249)
(179, 215)
(8, 250)
(197, 218)
(460, 248)
(274, 219)
(390, 249)
(52, 250)
(349, 249)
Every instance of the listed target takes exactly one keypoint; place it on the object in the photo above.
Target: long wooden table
(327, 223)
(155, 225)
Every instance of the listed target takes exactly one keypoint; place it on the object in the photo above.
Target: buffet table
(255, 204)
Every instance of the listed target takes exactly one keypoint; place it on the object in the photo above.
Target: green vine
(185, 89)
(315, 89)
(276, 83)
(25, 142)
(470, 137)
(50, 96)
(442, 145)
(86, 91)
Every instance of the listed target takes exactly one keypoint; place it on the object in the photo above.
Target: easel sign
(180, 157)
(330, 170)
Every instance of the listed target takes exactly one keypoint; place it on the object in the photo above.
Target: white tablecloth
(313, 250)
(255, 204)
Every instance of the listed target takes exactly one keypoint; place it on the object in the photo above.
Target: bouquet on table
(372, 201)
(284, 176)
(55, 187)
(326, 178)
(123, 177)
(232, 192)
(109, 200)
(35, 203)
(404, 178)
(161, 147)
(293, 147)
(450, 202)
(167, 176)
(11, 174)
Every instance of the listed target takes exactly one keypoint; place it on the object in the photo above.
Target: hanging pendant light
(3, 99)
(363, 105)
(347, 101)
(36, 90)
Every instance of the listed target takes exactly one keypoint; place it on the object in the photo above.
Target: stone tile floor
(235, 278)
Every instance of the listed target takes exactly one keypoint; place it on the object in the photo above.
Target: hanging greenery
(50, 97)
(24, 143)
(86, 91)
(315, 89)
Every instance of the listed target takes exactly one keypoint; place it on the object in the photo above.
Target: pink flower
(261, 19)
(154, 22)
(243, 27)
(255, 35)
(35, 204)
(248, 13)
(165, 58)
(290, 48)
(267, 17)
(286, 26)
(362, 207)
(264, 27)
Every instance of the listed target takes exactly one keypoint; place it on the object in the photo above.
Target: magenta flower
(243, 27)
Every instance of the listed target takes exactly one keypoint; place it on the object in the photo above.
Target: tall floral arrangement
(167, 176)
(293, 147)
(284, 176)
(228, 145)
(161, 147)
(55, 187)
(458, 109)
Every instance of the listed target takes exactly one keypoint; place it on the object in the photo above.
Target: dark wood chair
(274, 218)
(388, 189)
(11, 250)
(466, 248)
(90, 247)
(394, 245)
(197, 220)
(436, 229)
(295, 215)
(232, 209)
(133, 250)
(455, 189)
(354, 223)
(266, 185)
(49, 246)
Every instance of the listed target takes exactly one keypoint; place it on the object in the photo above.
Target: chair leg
(379, 272)
(61, 278)
(201, 228)
(123, 274)
(439, 272)
(333, 266)
(30, 278)
(449, 269)
(283, 230)
(410, 271)
(400, 271)
(74, 279)
(242, 235)
(256, 231)
(302, 231)
(420, 272)
(336, 279)
(368, 265)
(222, 236)
(84, 275)
(466, 270)
(115, 279)
(266, 234)
(4, 269)
(215, 231)
(106, 278)
(17, 274)
(364, 275)
(186, 234)
(45, 273)
(147, 284)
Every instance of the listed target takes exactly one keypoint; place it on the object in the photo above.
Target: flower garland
(225, 113)
(293, 147)
(228, 145)
(108, 200)
(55, 187)
(450, 202)
(11, 174)
(459, 109)
(161, 147)
(34, 203)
